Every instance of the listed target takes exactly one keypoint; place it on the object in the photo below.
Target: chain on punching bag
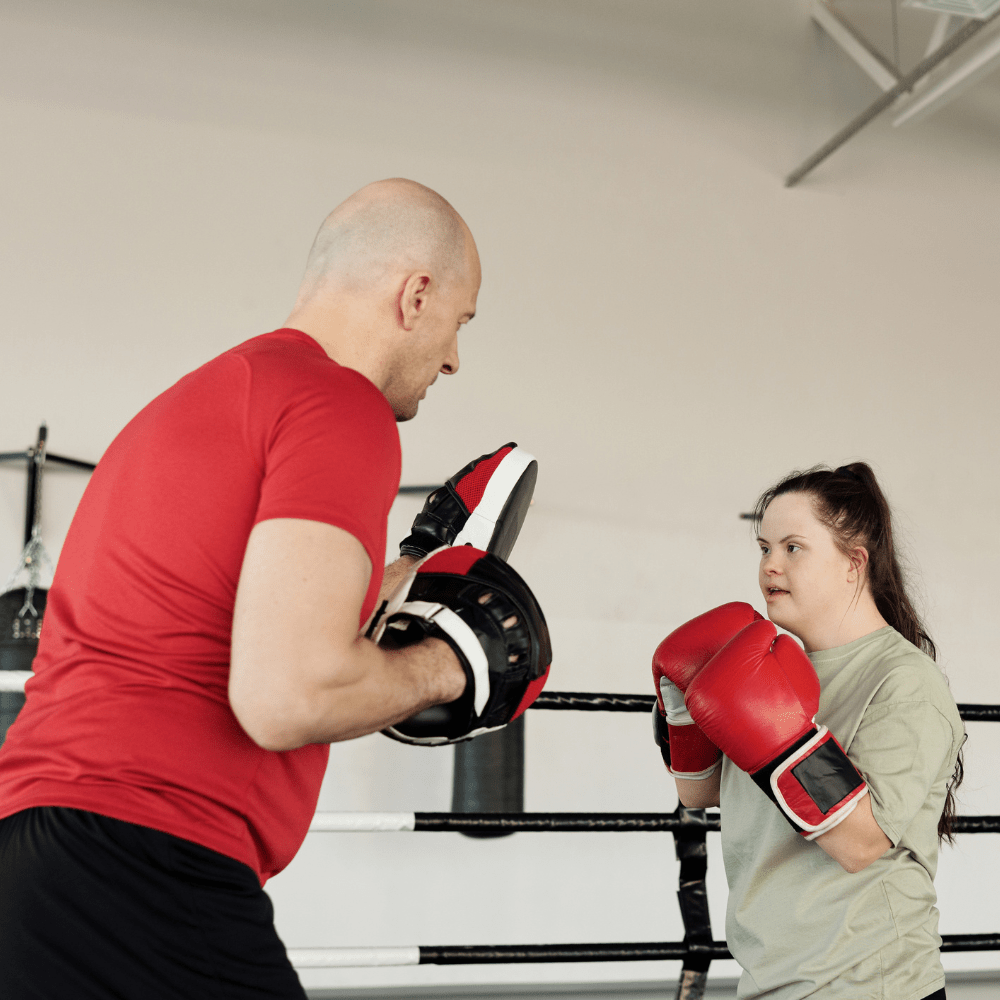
(18, 644)
(22, 608)
(489, 774)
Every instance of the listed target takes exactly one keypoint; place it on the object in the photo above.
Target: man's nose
(450, 365)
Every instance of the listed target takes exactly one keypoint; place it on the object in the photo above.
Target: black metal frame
(35, 457)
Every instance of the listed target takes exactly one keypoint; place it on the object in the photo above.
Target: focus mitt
(482, 505)
(478, 605)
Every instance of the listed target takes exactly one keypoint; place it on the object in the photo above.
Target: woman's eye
(793, 548)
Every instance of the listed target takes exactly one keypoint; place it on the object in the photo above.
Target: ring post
(489, 775)
(692, 852)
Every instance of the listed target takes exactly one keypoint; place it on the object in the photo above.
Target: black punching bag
(489, 774)
(19, 629)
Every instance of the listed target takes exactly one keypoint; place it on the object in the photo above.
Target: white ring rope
(339, 958)
(385, 822)
(362, 822)
(13, 680)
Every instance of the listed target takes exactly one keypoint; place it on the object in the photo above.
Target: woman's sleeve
(903, 748)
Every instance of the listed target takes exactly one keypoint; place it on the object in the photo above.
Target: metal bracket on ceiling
(894, 85)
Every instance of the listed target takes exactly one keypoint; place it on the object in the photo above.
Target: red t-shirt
(128, 714)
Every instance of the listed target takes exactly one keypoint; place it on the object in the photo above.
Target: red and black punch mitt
(464, 596)
(484, 505)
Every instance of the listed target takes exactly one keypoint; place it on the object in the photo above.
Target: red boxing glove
(757, 699)
(677, 660)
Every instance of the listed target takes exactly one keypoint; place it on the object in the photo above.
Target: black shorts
(93, 908)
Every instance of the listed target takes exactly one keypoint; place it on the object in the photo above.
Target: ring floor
(960, 986)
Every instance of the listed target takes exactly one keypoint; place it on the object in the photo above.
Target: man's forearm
(370, 689)
(299, 671)
(392, 576)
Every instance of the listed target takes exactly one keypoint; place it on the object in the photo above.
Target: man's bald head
(392, 277)
(386, 228)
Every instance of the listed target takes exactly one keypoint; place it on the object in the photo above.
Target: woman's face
(807, 582)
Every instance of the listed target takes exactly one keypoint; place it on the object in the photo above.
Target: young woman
(840, 762)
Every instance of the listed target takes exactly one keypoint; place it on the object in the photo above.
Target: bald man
(201, 643)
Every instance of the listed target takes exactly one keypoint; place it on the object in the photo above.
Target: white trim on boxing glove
(837, 818)
(815, 829)
(464, 638)
(478, 529)
(677, 716)
(699, 775)
(672, 699)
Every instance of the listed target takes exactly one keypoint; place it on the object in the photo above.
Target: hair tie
(843, 470)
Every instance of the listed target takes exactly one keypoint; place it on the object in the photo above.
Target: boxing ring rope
(587, 701)
(688, 826)
(13, 680)
(499, 823)
(507, 954)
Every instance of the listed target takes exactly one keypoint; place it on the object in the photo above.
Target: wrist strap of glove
(694, 756)
(437, 524)
(445, 624)
(814, 783)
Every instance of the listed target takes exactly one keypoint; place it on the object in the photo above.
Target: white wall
(662, 323)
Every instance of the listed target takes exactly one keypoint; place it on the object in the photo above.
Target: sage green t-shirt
(798, 924)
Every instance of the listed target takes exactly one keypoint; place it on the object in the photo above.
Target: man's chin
(405, 412)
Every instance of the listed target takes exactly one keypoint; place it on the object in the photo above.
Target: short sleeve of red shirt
(128, 713)
(330, 456)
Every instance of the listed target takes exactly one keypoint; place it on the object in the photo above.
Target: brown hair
(850, 503)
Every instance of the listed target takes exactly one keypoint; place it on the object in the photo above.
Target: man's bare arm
(392, 577)
(299, 671)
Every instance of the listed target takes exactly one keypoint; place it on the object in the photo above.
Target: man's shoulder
(289, 362)
(284, 351)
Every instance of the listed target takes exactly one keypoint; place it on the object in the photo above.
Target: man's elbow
(275, 738)
(275, 727)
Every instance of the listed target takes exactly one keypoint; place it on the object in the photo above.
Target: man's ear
(859, 562)
(413, 297)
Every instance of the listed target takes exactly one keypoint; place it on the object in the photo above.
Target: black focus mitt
(481, 607)
(483, 505)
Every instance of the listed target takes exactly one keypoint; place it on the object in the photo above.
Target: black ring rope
(690, 819)
(589, 701)
(687, 820)
(504, 953)
(651, 951)
(689, 828)
(561, 822)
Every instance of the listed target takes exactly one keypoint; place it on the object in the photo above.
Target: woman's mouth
(774, 592)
